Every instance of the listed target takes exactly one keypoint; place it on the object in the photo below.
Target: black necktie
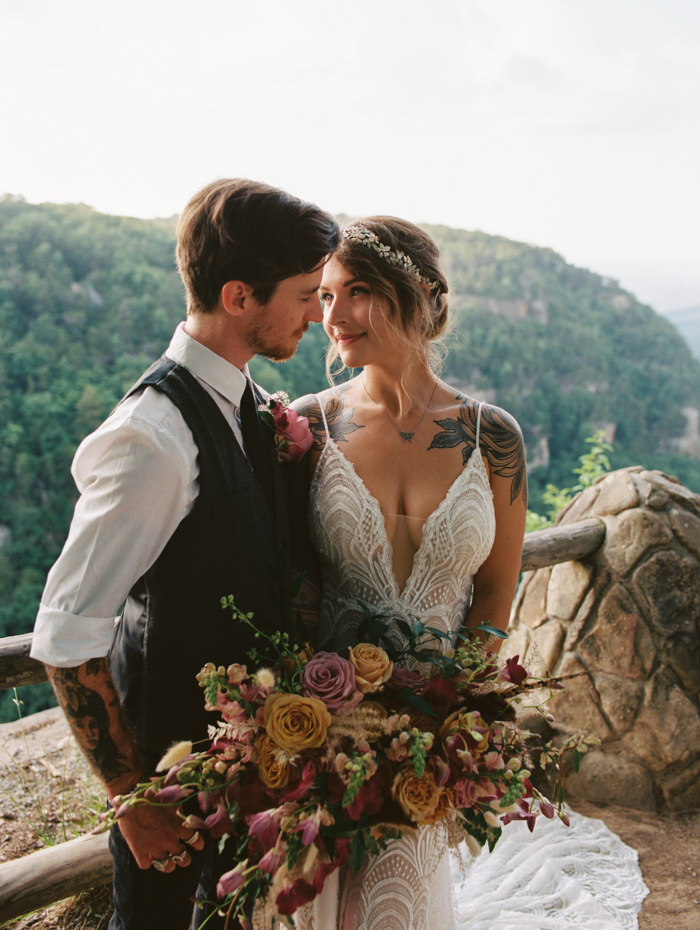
(257, 443)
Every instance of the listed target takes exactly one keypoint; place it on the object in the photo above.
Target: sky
(572, 124)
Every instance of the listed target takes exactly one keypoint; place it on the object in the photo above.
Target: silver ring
(195, 838)
(160, 864)
(179, 859)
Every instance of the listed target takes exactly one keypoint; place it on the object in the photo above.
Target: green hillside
(87, 301)
(687, 322)
(567, 352)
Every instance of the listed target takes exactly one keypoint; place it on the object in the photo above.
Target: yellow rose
(273, 773)
(445, 806)
(372, 667)
(417, 797)
(296, 723)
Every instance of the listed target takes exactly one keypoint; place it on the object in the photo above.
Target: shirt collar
(206, 365)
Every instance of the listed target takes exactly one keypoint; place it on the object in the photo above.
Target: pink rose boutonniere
(290, 431)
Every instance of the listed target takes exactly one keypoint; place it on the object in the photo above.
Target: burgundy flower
(513, 671)
(294, 895)
(372, 794)
(546, 809)
(523, 814)
(331, 679)
(308, 776)
(323, 870)
(441, 689)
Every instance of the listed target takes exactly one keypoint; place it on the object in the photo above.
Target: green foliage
(594, 464)
(88, 301)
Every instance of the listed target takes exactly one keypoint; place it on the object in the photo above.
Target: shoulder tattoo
(500, 441)
(338, 416)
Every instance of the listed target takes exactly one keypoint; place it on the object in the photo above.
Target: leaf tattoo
(338, 417)
(500, 440)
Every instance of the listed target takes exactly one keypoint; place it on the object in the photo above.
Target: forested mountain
(687, 322)
(567, 351)
(87, 301)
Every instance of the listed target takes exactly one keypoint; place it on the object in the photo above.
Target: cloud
(568, 124)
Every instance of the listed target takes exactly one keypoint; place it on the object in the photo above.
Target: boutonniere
(289, 430)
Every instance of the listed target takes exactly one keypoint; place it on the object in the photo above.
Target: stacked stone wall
(629, 617)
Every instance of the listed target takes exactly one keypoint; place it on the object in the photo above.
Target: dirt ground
(46, 789)
(669, 857)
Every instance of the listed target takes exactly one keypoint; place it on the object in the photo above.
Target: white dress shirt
(138, 478)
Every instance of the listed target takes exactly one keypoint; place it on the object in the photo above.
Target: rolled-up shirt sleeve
(137, 477)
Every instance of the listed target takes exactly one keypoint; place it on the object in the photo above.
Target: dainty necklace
(406, 437)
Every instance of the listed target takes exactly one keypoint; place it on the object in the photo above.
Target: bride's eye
(359, 291)
(325, 298)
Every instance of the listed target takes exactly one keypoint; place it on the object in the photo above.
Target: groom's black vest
(221, 548)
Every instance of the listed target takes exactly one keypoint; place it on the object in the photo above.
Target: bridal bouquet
(319, 760)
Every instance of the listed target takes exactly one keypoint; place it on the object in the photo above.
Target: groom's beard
(264, 340)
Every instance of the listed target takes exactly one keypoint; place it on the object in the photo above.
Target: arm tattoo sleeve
(499, 438)
(88, 713)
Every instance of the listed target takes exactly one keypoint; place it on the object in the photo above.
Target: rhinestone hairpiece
(372, 241)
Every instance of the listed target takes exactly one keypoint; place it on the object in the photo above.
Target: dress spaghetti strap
(323, 414)
(478, 424)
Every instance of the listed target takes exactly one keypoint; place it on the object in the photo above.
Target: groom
(183, 502)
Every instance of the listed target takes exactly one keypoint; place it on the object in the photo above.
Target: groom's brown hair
(240, 230)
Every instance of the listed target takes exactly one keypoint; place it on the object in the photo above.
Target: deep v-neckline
(374, 505)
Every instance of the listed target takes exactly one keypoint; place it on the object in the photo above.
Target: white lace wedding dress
(556, 878)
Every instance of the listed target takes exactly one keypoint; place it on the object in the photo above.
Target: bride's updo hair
(401, 263)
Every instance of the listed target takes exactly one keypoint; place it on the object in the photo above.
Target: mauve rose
(331, 679)
(406, 678)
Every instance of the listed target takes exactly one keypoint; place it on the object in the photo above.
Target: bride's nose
(333, 312)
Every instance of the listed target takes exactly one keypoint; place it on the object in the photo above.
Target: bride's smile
(352, 316)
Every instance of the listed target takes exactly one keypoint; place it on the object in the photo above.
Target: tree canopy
(88, 301)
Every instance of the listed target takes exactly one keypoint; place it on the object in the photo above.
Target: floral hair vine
(372, 241)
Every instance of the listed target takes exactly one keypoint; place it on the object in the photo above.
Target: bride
(417, 508)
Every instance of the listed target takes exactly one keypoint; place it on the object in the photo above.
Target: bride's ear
(236, 297)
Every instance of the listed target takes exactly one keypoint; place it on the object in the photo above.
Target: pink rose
(331, 679)
(292, 434)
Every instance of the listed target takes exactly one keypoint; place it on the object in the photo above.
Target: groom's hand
(156, 834)
(89, 699)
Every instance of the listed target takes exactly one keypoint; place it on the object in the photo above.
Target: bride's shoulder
(495, 423)
(468, 423)
(330, 413)
(469, 415)
(496, 434)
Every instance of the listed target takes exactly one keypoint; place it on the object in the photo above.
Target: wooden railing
(44, 877)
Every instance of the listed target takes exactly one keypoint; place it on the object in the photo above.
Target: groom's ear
(236, 297)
